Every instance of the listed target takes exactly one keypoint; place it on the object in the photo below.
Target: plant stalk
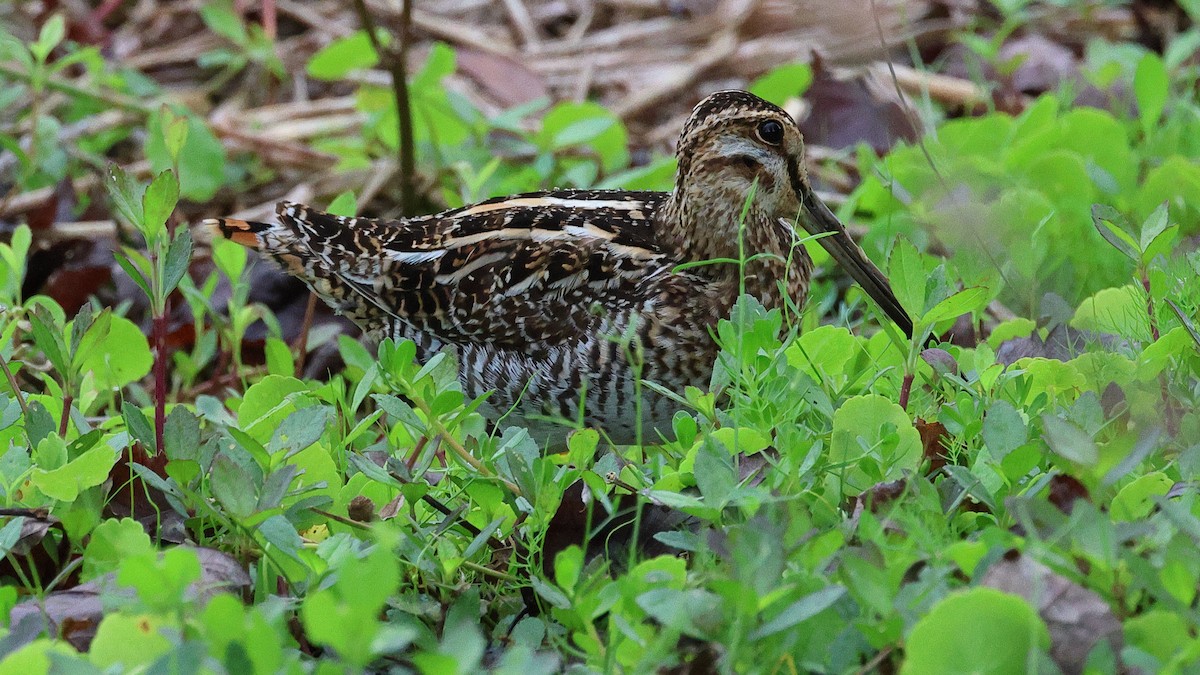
(905, 390)
(1150, 306)
(12, 382)
(396, 62)
(66, 415)
(159, 330)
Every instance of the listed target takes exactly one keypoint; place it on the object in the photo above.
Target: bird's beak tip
(818, 219)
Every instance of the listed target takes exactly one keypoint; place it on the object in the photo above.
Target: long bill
(835, 239)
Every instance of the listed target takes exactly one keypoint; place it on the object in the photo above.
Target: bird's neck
(701, 226)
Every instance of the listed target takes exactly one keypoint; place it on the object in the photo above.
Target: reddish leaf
(1065, 491)
(507, 80)
(933, 443)
(846, 113)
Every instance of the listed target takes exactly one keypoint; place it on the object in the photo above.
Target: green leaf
(399, 410)
(1154, 226)
(121, 357)
(549, 593)
(181, 434)
(587, 123)
(440, 63)
(201, 160)
(300, 430)
(715, 476)
(127, 641)
(783, 82)
(568, 564)
(230, 258)
(220, 19)
(872, 432)
(157, 204)
(126, 194)
(1120, 311)
(88, 470)
(129, 261)
(50, 36)
(281, 534)
(267, 402)
(582, 446)
(51, 452)
(10, 412)
(805, 608)
(1136, 500)
(10, 534)
(940, 643)
(279, 357)
(175, 131)
(39, 423)
(15, 255)
(344, 616)
(233, 487)
(162, 581)
(1157, 234)
(344, 204)
(1186, 322)
(276, 485)
(962, 302)
(338, 58)
(112, 541)
(907, 273)
(1069, 441)
(1160, 632)
(1115, 229)
(1151, 85)
(744, 440)
(1004, 430)
(179, 256)
(79, 325)
(48, 336)
(138, 425)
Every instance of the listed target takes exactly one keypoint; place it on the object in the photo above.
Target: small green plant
(250, 45)
(168, 251)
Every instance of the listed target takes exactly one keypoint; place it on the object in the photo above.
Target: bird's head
(734, 139)
(735, 144)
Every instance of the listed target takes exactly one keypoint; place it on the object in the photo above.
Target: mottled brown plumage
(547, 298)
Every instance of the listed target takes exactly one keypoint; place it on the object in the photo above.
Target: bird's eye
(770, 132)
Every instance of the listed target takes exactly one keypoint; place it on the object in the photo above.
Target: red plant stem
(66, 415)
(905, 390)
(269, 20)
(1164, 390)
(301, 345)
(159, 329)
(1150, 307)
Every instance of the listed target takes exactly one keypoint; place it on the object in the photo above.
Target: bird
(560, 304)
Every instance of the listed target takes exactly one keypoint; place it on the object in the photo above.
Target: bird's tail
(312, 246)
(244, 232)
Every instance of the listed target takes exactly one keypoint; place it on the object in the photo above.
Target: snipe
(540, 294)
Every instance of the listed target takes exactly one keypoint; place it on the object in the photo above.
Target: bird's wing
(525, 270)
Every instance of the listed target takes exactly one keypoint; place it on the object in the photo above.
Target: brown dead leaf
(933, 443)
(74, 614)
(41, 550)
(610, 533)
(1077, 617)
(503, 78)
(845, 112)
